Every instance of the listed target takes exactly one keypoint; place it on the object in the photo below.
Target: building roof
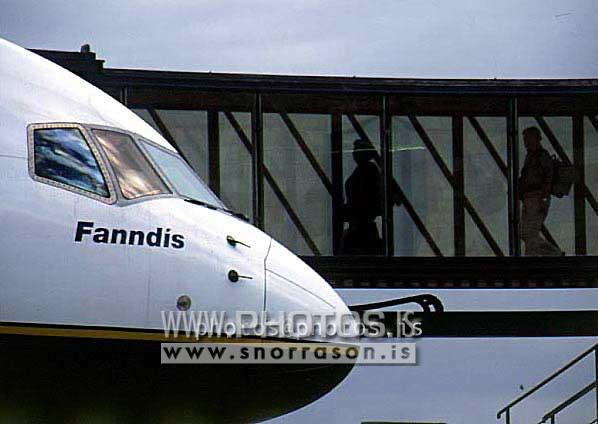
(86, 64)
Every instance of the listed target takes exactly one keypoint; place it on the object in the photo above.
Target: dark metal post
(508, 417)
(459, 187)
(257, 156)
(580, 185)
(124, 96)
(512, 176)
(214, 151)
(387, 208)
(596, 375)
(336, 157)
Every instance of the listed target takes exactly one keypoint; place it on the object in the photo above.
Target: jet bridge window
(136, 176)
(63, 156)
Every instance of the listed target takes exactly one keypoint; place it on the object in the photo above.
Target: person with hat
(363, 191)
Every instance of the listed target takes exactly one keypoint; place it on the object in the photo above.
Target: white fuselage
(51, 274)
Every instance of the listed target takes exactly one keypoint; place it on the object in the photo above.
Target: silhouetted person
(364, 204)
(535, 186)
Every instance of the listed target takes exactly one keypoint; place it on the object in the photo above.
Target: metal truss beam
(450, 178)
(502, 324)
(415, 273)
(387, 188)
(165, 131)
(275, 188)
(579, 186)
(214, 151)
(459, 188)
(514, 211)
(336, 159)
(257, 157)
(306, 151)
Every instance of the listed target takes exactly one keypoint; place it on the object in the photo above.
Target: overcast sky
(397, 38)
(457, 381)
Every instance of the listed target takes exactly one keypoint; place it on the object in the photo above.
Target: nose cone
(292, 286)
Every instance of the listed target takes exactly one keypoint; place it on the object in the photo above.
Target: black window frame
(104, 170)
(135, 139)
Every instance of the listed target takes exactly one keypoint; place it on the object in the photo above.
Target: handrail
(547, 380)
(565, 404)
(426, 301)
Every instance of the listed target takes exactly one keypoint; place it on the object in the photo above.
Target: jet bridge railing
(506, 411)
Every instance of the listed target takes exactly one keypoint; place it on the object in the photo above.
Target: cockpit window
(134, 173)
(63, 156)
(181, 176)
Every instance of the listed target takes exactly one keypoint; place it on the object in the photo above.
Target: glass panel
(411, 241)
(62, 155)
(181, 176)
(189, 128)
(440, 131)
(145, 115)
(591, 171)
(135, 174)
(476, 243)
(298, 180)
(280, 225)
(424, 185)
(560, 220)
(236, 170)
(485, 183)
(362, 186)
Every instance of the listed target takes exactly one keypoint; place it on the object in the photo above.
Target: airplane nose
(292, 286)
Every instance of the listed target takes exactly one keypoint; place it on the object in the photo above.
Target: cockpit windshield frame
(107, 168)
(148, 170)
(102, 162)
(141, 141)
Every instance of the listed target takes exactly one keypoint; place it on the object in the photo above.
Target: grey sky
(461, 381)
(433, 38)
(457, 381)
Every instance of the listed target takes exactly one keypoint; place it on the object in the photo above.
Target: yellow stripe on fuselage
(120, 334)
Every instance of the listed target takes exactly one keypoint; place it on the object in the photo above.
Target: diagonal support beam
(399, 197)
(501, 164)
(488, 144)
(165, 131)
(450, 178)
(306, 151)
(563, 155)
(556, 145)
(275, 188)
